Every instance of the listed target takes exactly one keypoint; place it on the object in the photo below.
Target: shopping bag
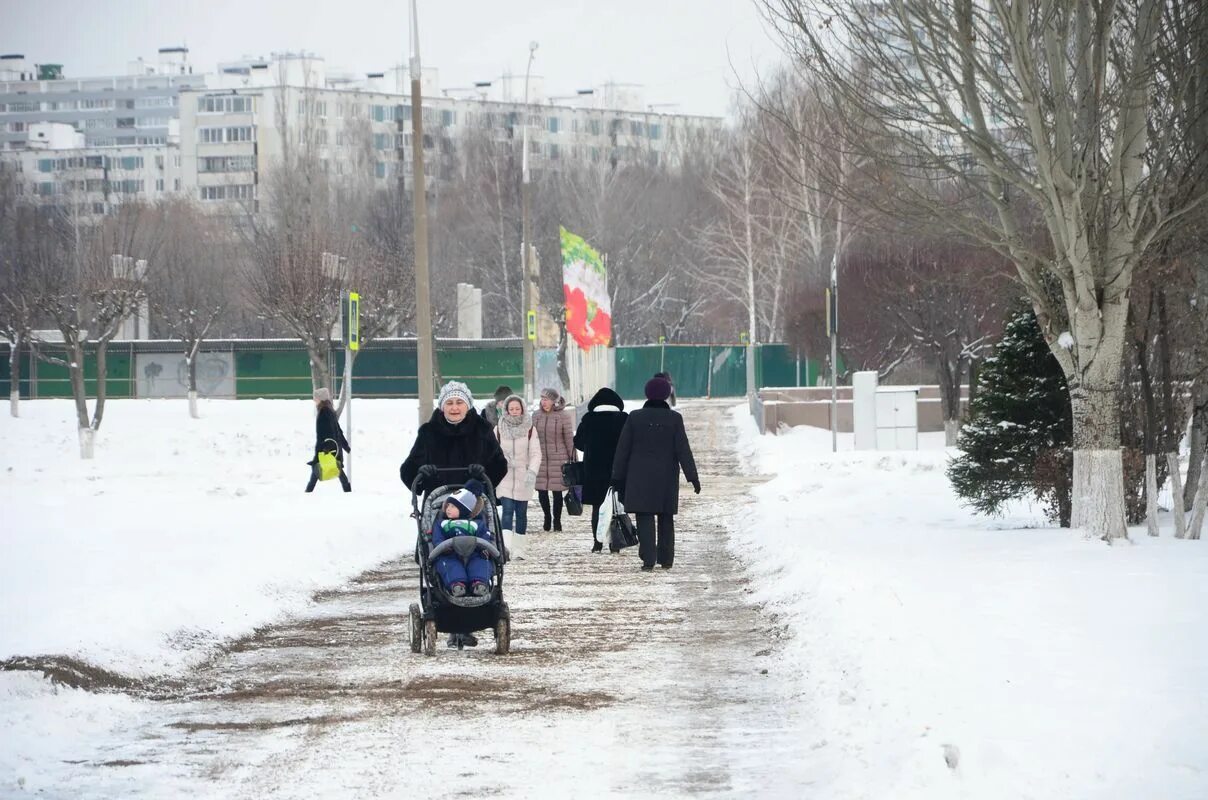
(621, 532)
(328, 466)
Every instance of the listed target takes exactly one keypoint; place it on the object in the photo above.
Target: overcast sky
(683, 51)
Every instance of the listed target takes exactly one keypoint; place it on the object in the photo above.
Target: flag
(585, 287)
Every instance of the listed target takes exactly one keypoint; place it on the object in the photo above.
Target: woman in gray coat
(645, 472)
(556, 432)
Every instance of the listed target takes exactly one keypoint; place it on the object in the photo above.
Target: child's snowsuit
(450, 567)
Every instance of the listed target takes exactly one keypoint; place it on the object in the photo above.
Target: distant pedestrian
(494, 408)
(667, 376)
(522, 449)
(556, 432)
(597, 436)
(650, 454)
(329, 438)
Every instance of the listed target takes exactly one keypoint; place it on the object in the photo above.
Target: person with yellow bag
(330, 444)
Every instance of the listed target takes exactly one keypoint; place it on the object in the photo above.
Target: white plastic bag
(608, 509)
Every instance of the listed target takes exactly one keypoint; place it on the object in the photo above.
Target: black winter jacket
(444, 445)
(652, 450)
(597, 437)
(329, 436)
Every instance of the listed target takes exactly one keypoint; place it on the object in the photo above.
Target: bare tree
(1050, 111)
(189, 293)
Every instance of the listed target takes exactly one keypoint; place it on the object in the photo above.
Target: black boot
(597, 546)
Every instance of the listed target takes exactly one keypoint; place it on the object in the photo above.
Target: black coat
(597, 437)
(444, 445)
(328, 435)
(652, 451)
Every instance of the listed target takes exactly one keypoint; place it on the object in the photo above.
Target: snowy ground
(1040, 664)
(842, 630)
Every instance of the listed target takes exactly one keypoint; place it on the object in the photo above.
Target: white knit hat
(454, 389)
(323, 393)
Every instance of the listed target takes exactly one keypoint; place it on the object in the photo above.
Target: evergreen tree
(1017, 439)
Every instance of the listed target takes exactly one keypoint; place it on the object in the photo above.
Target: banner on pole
(585, 287)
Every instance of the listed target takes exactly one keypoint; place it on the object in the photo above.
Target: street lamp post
(529, 327)
(423, 299)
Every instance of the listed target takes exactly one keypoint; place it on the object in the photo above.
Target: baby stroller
(438, 611)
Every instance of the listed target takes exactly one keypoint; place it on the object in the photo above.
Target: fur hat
(658, 389)
(454, 389)
(552, 394)
(323, 394)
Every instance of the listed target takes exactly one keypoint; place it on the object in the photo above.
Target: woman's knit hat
(552, 394)
(658, 389)
(454, 389)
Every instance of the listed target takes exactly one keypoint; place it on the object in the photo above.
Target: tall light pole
(423, 298)
(530, 289)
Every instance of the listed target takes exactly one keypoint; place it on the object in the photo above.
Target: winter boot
(518, 546)
(597, 546)
(546, 525)
(479, 589)
(458, 589)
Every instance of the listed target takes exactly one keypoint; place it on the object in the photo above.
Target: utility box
(897, 414)
(864, 409)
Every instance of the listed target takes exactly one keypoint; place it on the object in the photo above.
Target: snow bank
(951, 655)
(183, 533)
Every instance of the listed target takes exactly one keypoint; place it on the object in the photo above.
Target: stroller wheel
(417, 628)
(503, 636)
(430, 637)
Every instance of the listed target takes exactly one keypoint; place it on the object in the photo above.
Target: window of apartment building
(636, 128)
(229, 104)
(125, 103)
(45, 189)
(16, 127)
(209, 135)
(379, 113)
(553, 152)
(46, 165)
(156, 102)
(130, 162)
(593, 127)
(94, 185)
(62, 105)
(379, 169)
(552, 124)
(94, 162)
(239, 191)
(382, 141)
(128, 186)
(21, 106)
(241, 133)
(448, 118)
(94, 104)
(159, 184)
(655, 130)
(153, 122)
(176, 185)
(93, 124)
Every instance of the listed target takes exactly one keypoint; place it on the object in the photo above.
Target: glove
(425, 474)
(696, 486)
(477, 471)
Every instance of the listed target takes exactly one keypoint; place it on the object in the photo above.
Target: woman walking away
(597, 437)
(494, 408)
(329, 438)
(652, 450)
(523, 452)
(554, 429)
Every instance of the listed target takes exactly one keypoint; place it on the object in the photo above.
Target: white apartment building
(132, 109)
(234, 125)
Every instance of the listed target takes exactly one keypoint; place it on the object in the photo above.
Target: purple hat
(658, 389)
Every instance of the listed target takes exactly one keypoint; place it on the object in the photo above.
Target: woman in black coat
(329, 438)
(652, 451)
(597, 436)
(455, 436)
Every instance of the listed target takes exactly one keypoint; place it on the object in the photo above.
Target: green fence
(387, 368)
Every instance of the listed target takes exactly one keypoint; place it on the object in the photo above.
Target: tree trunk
(191, 362)
(952, 430)
(75, 369)
(1196, 528)
(102, 374)
(14, 376)
(1199, 434)
(319, 378)
(1151, 494)
(1098, 492)
(1176, 494)
(950, 398)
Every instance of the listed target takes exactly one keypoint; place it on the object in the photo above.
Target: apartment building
(237, 123)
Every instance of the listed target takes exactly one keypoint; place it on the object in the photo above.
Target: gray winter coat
(652, 451)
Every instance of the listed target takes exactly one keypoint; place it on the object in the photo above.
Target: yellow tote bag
(328, 466)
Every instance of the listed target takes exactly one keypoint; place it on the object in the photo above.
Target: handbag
(573, 503)
(572, 473)
(621, 530)
(328, 466)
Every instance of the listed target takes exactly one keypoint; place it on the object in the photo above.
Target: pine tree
(1017, 439)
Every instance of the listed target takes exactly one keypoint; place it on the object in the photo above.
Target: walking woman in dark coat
(652, 451)
(597, 437)
(455, 436)
(329, 438)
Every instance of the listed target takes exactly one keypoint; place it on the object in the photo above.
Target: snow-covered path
(619, 683)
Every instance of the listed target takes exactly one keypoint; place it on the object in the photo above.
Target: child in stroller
(464, 515)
